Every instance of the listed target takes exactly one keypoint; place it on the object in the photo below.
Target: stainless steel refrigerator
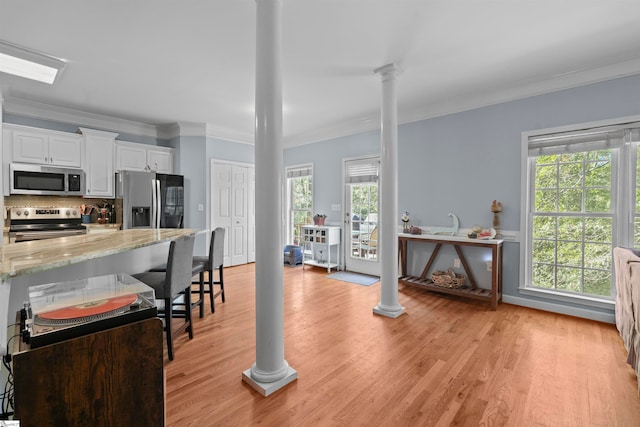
(150, 200)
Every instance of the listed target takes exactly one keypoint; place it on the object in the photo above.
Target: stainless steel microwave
(45, 180)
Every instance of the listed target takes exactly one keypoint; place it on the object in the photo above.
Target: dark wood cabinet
(110, 378)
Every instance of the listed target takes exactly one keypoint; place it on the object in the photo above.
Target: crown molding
(177, 129)
(367, 123)
(233, 135)
(206, 130)
(94, 132)
(54, 113)
(526, 89)
(519, 90)
(370, 122)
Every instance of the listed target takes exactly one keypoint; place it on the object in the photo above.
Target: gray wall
(327, 157)
(221, 149)
(459, 163)
(191, 162)
(456, 163)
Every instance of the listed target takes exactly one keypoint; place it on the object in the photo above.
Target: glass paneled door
(361, 215)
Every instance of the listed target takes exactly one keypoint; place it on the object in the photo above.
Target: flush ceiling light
(29, 64)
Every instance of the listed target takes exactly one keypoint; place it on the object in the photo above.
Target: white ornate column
(388, 220)
(270, 372)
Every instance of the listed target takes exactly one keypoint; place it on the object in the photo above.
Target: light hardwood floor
(447, 361)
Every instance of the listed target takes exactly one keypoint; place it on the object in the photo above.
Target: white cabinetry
(143, 157)
(98, 165)
(160, 160)
(41, 146)
(321, 246)
(130, 156)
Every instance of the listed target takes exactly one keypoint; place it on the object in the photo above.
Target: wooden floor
(447, 361)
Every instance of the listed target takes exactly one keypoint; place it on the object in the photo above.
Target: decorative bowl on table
(448, 279)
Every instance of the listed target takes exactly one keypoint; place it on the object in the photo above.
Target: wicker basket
(446, 280)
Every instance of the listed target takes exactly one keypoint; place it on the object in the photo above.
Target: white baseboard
(561, 309)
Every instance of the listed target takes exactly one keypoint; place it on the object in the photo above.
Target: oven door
(26, 236)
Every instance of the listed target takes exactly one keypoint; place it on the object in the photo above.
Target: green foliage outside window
(573, 223)
(364, 218)
(364, 200)
(301, 204)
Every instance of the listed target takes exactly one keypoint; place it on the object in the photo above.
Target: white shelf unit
(321, 246)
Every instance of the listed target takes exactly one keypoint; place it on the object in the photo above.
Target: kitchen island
(76, 257)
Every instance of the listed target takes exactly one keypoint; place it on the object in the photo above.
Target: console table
(493, 295)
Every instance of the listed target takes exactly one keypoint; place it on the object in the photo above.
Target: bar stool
(214, 261)
(170, 285)
(197, 268)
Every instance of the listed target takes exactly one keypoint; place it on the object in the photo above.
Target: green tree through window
(572, 223)
(578, 209)
(300, 185)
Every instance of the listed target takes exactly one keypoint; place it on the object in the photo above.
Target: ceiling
(160, 62)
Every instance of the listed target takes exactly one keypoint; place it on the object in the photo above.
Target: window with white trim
(299, 200)
(583, 200)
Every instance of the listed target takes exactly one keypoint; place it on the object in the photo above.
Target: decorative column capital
(389, 71)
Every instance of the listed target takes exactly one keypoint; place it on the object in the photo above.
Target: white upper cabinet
(45, 147)
(130, 156)
(160, 161)
(96, 152)
(143, 157)
(98, 162)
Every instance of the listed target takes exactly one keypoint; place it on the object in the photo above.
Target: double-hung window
(299, 200)
(582, 199)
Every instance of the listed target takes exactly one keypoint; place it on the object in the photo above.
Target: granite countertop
(107, 225)
(41, 255)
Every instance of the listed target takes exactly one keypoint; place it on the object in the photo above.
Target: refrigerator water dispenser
(141, 217)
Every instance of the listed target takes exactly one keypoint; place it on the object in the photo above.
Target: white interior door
(239, 215)
(361, 215)
(221, 203)
(233, 208)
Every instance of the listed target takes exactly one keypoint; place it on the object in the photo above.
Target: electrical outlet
(489, 265)
(456, 263)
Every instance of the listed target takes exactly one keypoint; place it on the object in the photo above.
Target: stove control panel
(43, 213)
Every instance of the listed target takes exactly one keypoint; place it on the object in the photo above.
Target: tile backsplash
(17, 201)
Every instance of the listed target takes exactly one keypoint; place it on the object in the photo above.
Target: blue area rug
(358, 279)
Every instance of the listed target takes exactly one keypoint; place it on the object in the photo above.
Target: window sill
(574, 299)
